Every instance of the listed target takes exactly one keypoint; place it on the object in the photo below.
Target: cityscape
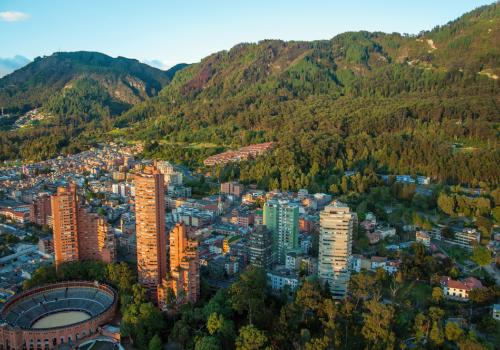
(327, 194)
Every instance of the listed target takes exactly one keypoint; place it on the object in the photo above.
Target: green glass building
(282, 219)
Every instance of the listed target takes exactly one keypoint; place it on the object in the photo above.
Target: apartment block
(77, 230)
(337, 224)
(151, 239)
(282, 219)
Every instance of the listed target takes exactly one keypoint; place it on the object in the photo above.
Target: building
(151, 239)
(459, 290)
(184, 267)
(423, 237)
(496, 312)
(282, 219)
(232, 188)
(281, 277)
(337, 225)
(46, 245)
(77, 230)
(260, 247)
(468, 238)
(41, 210)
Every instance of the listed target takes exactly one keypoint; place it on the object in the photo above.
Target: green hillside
(372, 102)
(369, 101)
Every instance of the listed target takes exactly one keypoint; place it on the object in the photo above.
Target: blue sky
(173, 31)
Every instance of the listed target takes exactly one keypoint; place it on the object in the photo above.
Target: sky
(167, 32)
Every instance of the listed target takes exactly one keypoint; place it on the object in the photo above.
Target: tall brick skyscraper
(78, 233)
(184, 265)
(150, 229)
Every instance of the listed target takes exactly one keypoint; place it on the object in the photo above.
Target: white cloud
(158, 63)
(13, 16)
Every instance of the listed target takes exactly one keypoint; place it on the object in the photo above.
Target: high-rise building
(150, 229)
(260, 247)
(337, 224)
(282, 219)
(184, 265)
(77, 230)
(41, 209)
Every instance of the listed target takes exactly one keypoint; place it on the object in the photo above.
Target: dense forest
(372, 102)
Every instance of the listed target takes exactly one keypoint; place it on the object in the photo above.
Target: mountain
(126, 81)
(367, 102)
(10, 64)
(424, 104)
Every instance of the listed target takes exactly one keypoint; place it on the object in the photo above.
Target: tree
(437, 295)
(219, 325)
(248, 292)
(420, 327)
(207, 343)
(377, 325)
(446, 203)
(481, 255)
(250, 338)
(141, 322)
(362, 286)
(155, 343)
(452, 331)
(436, 333)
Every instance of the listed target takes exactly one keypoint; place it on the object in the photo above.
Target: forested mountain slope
(373, 102)
(376, 102)
(75, 93)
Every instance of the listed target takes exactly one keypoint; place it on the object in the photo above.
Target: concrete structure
(150, 229)
(459, 290)
(337, 225)
(496, 312)
(468, 238)
(18, 331)
(41, 209)
(281, 277)
(78, 233)
(282, 219)
(423, 237)
(184, 268)
(232, 188)
(260, 247)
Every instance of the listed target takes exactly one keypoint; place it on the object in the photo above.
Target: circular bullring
(55, 314)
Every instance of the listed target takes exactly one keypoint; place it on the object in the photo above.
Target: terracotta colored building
(78, 233)
(41, 209)
(150, 229)
(18, 330)
(184, 265)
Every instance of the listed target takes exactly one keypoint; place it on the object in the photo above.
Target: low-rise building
(280, 277)
(496, 312)
(459, 290)
(423, 237)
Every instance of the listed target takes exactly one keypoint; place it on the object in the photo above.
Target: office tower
(260, 247)
(76, 229)
(184, 265)
(337, 224)
(150, 229)
(41, 209)
(282, 219)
